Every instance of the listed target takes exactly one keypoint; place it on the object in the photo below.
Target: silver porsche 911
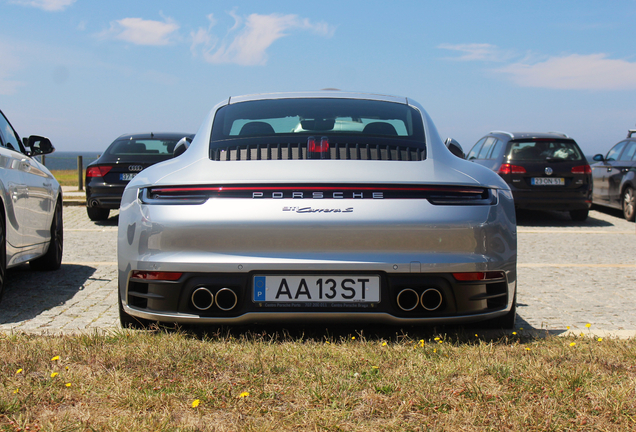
(317, 207)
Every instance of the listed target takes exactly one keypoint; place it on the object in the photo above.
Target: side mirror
(455, 148)
(598, 158)
(182, 145)
(39, 145)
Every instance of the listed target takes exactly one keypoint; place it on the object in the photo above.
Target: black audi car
(107, 177)
(545, 171)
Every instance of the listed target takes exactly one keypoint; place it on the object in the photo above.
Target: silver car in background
(31, 203)
(317, 207)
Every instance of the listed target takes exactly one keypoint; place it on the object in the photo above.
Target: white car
(31, 200)
(317, 207)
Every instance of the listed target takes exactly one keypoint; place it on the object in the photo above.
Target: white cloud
(580, 72)
(141, 32)
(256, 33)
(47, 5)
(477, 51)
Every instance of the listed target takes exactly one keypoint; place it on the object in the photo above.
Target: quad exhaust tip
(202, 298)
(408, 299)
(431, 299)
(226, 299)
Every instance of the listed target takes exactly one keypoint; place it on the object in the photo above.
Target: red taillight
(314, 147)
(153, 275)
(582, 169)
(98, 171)
(478, 276)
(511, 169)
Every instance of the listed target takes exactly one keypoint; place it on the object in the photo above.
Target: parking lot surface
(570, 274)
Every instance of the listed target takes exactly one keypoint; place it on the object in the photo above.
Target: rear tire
(128, 321)
(579, 215)
(97, 214)
(629, 204)
(507, 321)
(3, 253)
(52, 259)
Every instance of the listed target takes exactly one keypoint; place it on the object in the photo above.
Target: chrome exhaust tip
(94, 203)
(202, 298)
(431, 299)
(407, 299)
(226, 299)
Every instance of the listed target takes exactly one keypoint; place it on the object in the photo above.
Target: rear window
(544, 149)
(142, 147)
(317, 116)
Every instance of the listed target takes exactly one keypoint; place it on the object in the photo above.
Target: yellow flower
(588, 325)
(18, 371)
(54, 374)
(567, 327)
(375, 367)
(67, 384)
(383, 343)
(16, 391)
(436, 339)
(582, 335)
(244, 394)
(514, 333)
(600, 339)
(434, 350)
(476, 335)
(55, 358)
(573, 343)
(353, 338)
(66, 368)
(527, 349)
(440, 342)
(520, 328)
(195, 403)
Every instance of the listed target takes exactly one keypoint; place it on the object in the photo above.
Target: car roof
(530, 135)
(157, 135)
(335, 94)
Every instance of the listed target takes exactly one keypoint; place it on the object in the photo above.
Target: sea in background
(60, 160)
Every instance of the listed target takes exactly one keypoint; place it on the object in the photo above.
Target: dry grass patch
(66, 177)
(169, 381)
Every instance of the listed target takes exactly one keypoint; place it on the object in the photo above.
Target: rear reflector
(582, 169)
(478, 276)
(152, 275)
(98, 171)
(511, 169)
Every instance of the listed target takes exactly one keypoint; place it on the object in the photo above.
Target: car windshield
(544, 149)
(317, 116)
(142, 147)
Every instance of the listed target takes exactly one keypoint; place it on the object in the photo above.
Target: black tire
(507, 321)
(97, 213)
(52, 259)
(131, 322)
(629, 204)
(3, 253)
(579, 215)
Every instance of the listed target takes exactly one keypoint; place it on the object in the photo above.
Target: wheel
(128, 321)
(629, 202)
(97, 213)
(3, 253)
(52, 259)
(579, 215)
(506, 321)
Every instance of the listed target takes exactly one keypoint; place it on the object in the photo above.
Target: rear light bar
(511, 169)
(478, 276)
(438, 195)
(155, 275)
(98, 171)
(582, 169)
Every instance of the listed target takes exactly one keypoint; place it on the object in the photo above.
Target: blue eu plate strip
(259, 288)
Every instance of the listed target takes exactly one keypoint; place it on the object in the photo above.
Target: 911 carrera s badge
(317, 210)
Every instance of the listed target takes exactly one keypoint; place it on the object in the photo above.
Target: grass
(66, 177)
(176, 381)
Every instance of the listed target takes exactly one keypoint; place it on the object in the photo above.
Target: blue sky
(84, 72)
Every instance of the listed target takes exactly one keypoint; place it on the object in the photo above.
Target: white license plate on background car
(548, 181)
(310, 288)
(127, 176)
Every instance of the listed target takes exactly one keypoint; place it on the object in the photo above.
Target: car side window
(615, 151)
(483, 153)
(496, 149)
(629, 151)
(475, 150)
(10, 139)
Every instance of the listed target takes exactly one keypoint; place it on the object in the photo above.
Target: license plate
(127, 176)
(308, 288)
(548, 181)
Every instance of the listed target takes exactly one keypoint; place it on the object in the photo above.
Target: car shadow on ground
(29, 293)
(111, 221)
(537, 218)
